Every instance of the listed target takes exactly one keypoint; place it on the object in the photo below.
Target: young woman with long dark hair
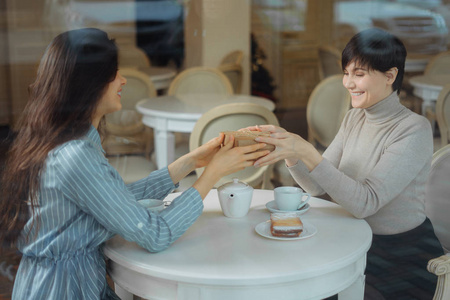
(61, 200)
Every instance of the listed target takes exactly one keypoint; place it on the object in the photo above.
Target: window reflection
(287, 33)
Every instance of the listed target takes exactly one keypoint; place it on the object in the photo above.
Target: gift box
(247, 137)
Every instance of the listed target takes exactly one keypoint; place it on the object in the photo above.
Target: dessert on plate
(285, 225)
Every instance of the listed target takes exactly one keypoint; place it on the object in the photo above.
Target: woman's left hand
(291, 147)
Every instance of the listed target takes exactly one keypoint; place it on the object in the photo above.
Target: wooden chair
(234, 116)
(326, 108)
(128, 142)
(231, 66)
(437, 207)
(329, 61)
(132, 57)
(234, 74)
(438, 64)
(233, 58)
(200, 80)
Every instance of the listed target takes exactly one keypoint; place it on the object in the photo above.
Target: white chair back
(438, 196)
(125, 132)
(230, 117)
(443, 114)
(326, 108)
(438, 64)
(200, 80)
(329, 61)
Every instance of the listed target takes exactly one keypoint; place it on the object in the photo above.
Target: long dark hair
(71, 78)
(378, 50)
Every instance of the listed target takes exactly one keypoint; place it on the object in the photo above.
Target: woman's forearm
(181, 168)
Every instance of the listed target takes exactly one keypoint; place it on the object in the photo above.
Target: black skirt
(397, 264)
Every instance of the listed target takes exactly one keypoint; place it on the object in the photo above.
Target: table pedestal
(164, 147)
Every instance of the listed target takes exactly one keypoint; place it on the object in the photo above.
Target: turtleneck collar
(384, 110)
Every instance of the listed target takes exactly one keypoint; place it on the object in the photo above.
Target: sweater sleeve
(92, 184)
(333, 154)
(405, 155)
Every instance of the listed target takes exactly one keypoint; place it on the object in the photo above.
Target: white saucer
(263, 229)
(272, 207)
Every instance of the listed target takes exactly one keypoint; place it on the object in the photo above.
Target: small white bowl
(154, 205)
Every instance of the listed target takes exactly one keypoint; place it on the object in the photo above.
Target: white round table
(222, 258)
(428, 88)
(168, 114)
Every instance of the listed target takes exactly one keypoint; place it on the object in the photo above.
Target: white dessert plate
(272, 207)
(263, 229)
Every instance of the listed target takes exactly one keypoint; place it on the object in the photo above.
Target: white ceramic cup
(290, 198)
(154, 205)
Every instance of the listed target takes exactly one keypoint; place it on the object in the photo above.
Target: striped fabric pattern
(83, 202)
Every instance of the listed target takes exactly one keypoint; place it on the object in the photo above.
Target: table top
(158, 73)
(192, 106)
(436, 82)
(224, 251)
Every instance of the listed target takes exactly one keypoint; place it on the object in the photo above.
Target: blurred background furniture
(160, 76)
(131, 56)
(196, 80)
(428, 88)
(233, 58)
(439, 64)
(329, 61)
(437, 207)
(200, 80)
(231, 117)
(231, 66)
(429, 85)
(420, 34)
(128, 142)
(170, 114)
(327, 106)
(443, 114)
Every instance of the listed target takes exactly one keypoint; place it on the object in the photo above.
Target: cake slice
(285, 225)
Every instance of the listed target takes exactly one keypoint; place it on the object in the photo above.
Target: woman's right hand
(231, 159)
(226, 161)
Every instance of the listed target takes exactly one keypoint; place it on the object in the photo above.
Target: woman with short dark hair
(377, 165)
(61, 199)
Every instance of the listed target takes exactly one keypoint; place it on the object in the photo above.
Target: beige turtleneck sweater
(376, 167)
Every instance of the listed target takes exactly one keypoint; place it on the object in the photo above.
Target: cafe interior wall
(214, 28)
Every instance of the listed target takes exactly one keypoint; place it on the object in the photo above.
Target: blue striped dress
(83, 202)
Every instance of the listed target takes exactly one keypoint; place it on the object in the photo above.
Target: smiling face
(367, 87)
(110, 100)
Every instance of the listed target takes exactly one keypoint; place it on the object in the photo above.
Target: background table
(428, 88)
(222, 258)
(168, 114)
(161, 77)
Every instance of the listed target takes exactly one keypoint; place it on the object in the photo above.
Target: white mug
(290, 198)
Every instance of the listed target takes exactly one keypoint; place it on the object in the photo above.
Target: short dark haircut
(377, 50)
